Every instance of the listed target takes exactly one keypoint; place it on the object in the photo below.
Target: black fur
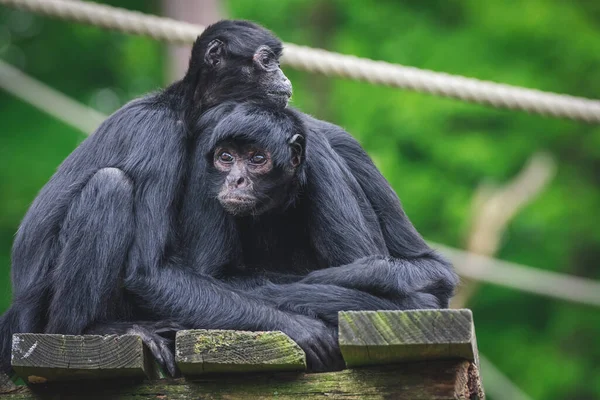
(102, 230)
(336, 239)
(323, 251)
(415, 271)
(129, 228)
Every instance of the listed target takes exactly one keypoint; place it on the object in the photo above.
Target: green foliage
(434, 151)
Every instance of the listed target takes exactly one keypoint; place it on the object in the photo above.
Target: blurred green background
(434, 151)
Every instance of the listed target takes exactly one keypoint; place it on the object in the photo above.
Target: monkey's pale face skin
(244, 166)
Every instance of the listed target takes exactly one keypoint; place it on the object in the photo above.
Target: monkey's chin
(239, 206)
(280, 99)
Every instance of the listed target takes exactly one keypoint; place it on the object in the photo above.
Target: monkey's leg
(94, 241)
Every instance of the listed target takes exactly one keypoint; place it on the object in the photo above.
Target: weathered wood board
(445, 338)
(39, 358)
(384, 337)
(6, 384)
(204, 351)
(433, 380)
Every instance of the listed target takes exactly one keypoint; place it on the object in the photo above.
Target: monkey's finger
(338, 361)
(313, 361)
(168, 358)
(156, 353)
(327, 357)
(332, 353)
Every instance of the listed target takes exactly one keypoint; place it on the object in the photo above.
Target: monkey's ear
(214, 52)
(297, 144)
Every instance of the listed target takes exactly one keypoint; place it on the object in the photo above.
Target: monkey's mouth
(239, 199)
(238, 205)
(280, 94)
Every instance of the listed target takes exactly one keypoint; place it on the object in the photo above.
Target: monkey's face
(250, 183)
(270, 78)
(240, 77)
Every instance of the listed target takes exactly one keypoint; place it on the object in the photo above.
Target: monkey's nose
(238, 182)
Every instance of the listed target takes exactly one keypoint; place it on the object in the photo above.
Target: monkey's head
(237, 60)
(256, 160)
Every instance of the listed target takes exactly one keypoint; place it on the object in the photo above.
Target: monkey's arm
(425, 282)
(320, 300)
(401, 237)
(415, 270)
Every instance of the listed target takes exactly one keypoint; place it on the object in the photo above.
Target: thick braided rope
(113, 18)
(332, 64)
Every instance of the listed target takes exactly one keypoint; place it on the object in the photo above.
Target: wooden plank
(40, 358)
(203, 351)
(433, 380)
(6, 384)
(383, 337)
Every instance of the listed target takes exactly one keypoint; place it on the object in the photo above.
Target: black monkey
(416, 267)
(261, 211)
(292, 255)
(113, 202)
(270, 208)
(108, 223)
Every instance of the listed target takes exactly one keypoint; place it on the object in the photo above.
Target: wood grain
(40, 358)
(6, 384)
(383, 337)
(433, 380)
(203, 351)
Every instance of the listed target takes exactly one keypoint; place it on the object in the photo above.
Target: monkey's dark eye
(225, 157)
(258, 159)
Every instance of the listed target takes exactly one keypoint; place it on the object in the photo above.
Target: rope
(49, 100)
(332, 64)
(113, 18)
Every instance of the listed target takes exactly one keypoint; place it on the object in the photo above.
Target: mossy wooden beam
(204, 351)
(383, 337)
(433, 380)
(39, 358)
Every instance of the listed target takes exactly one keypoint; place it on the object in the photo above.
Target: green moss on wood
(440, 380)
(383, 337)
(203, 351)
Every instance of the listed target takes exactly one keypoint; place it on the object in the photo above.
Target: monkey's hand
(318, 341)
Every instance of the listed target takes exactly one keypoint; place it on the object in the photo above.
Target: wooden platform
(212, 351)
(427, 354)
(39, 358)
(385, 337)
